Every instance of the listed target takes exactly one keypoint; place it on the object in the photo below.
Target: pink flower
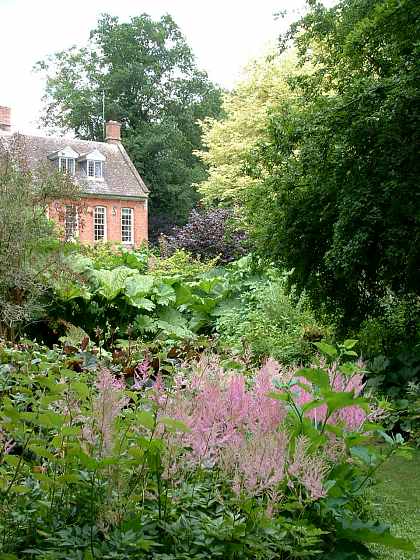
(106, 408)
(309, 469)
(351, 416)
(141, 374)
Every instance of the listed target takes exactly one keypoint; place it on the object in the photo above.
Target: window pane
(70, 223)
(99, 223)
(127, 225)
(98, 169)
(67, 165)
(91, 168)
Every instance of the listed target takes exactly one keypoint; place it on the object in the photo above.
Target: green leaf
(144, 323)
(164, 295)
(174, 425)
(69, 478)
(142, 303)
(19, 489)
(67, 291)
(50, 420)
(278, 396)
(112, 282)
(139, 285)
(70, 431)
(336, 400)
(350, 343)
(317, 376)
(183, 294)
(311, 405)
(12, 460)
(364, 454)
(42, 451)
(146, 418)
(81, 389)
(348, 369)
(326, 349)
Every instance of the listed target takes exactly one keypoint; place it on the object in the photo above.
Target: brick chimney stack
(5, 119)
(113, 132)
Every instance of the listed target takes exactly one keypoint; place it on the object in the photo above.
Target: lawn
(397, 501)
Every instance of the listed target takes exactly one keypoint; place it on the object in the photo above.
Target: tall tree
(230, 141)
(340, 201)
(151, 84)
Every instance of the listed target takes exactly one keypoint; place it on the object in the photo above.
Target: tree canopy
(231, 140)
(151, 84)
(338, 196)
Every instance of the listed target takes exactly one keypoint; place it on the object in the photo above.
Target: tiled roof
(120, 177)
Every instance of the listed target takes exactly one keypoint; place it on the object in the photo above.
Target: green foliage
(338, 198)
(29, 247)
(152, 85)
(403, 413)
(247, 308)
(110, 255)
(122, 302)
(269, 320)
(180, 264)
(84, 473)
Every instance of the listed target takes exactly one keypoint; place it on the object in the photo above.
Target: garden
(246, 386)
(156, 424)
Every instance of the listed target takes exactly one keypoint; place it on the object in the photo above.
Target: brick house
(114, 196)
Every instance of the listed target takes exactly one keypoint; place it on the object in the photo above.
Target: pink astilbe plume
(257, 463)
(141, 374)
(236, 427)
(352, 417)
(266, 414)
(239, 428)
(308, 469)
(106, 407)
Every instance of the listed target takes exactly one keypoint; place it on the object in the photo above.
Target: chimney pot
(5, 119)
(113, 132)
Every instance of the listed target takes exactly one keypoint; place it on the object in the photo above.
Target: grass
(396, 501)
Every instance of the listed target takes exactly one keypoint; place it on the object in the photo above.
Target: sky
(223, 34)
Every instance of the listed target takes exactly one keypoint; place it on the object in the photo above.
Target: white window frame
(92, 165)
(67, 165)
(124, 215)
(75, 229)
(104, 238)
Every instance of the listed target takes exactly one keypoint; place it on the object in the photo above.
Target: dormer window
(92, 165)
(94, 168)
(67, 165)
(65, 160)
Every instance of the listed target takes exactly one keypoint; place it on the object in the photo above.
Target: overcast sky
(224, 35)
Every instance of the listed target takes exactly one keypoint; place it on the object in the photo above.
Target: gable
(94, 154)
(66, 152)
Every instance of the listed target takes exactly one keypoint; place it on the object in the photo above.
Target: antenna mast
(103, 113)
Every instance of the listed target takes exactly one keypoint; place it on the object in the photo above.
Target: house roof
(120, 177)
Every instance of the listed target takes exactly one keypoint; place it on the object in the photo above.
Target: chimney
(5, 119)
(113, 132)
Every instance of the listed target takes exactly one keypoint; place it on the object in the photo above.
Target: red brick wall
(113, 218)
